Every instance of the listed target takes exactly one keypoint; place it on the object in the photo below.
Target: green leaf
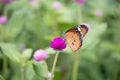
(1, 78)
(11, 51)
(50, 50)
(30, 73)
(93, 35)
(27, 53)
(111, 46)
(40, 68)
(16, 22)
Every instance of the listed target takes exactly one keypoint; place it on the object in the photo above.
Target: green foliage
(1, 78)
(35, 26)
(10, 51)
(40, 68)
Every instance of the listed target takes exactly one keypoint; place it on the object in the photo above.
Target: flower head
(34, 3)
(40, 55)
(98, 13)
(49, 75)
(58, 43)
(80, 1)
(6, 1)
(3, 19)
(56, 5)
(87, 25)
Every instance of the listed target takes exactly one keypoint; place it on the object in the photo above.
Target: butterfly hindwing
(74, 38)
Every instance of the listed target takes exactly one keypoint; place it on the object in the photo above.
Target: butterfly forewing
(73, 38)
(83, 29)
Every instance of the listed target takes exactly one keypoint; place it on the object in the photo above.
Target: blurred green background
(32, 24)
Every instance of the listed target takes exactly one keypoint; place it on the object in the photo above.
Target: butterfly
(74, 36)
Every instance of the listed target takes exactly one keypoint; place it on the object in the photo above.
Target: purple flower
(40, 55)
(87, 25)
(56, 5)
(3, 19)
(6, 1)
(98, 13)
(80, 1)
(58, 43)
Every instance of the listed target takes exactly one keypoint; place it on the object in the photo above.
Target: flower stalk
(79, 14)
(75, 67)
(22, 71)
(115, 74)
(4, 67)
(54, 64)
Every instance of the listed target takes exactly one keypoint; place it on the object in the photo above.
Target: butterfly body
(74, 36)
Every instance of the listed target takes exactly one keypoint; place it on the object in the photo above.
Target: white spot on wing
(78, 28)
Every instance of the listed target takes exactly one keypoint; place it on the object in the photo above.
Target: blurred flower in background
(40, 55)
(58, 43)
(34, 3)
(98, 12)
(6, 1)
(56, 5)
(22, 46)
(49, 75)
(80, 1)
(3, 19)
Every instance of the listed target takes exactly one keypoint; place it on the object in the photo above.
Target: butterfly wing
(83, 29)
(74, 38)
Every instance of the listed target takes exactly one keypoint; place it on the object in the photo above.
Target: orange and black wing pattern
(74, 38)
(83, 29)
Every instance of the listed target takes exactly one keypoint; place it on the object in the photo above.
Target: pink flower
(49, 75)
(80, 1)
(6, 1)
(98, 13)
(56, 5)
(40, 55)
(34, 3)
(3, 19)
(58, 43)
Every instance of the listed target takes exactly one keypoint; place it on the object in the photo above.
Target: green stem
(4, 9)
(5, 67)
(22, 72)
(79, 14)
(54, 64)
(115, 75)
(75, 67)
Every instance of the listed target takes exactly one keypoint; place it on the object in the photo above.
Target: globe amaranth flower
(6, 1)
(3, 19)
(49, 75)
(40, 55)
(80, 1)
(58, 43)
(34, 3)
(98, 13)
(56, 5)
(87, 25)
